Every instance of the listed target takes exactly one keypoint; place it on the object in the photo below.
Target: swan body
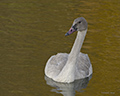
(65, 67)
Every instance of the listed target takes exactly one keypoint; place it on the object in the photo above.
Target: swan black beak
(67, 34)
(72, 29)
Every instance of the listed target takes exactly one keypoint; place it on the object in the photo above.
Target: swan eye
(79, 22)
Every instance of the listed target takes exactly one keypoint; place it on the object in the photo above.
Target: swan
(67, 68)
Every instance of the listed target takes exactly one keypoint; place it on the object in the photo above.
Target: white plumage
(65, 67)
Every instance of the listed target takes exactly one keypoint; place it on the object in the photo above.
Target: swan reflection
(68, 89)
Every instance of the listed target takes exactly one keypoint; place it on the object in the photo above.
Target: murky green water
(33, 30)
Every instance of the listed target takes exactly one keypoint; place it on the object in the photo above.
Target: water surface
(31, 31)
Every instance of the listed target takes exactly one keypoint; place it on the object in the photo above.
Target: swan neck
(78, 43)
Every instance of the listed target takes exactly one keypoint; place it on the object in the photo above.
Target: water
(31, 31)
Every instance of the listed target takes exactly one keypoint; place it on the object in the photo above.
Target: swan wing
(82, 66)
(55, 64)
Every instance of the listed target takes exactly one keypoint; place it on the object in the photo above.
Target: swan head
(79, 24)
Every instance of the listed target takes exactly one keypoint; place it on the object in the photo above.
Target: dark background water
(31, 31)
